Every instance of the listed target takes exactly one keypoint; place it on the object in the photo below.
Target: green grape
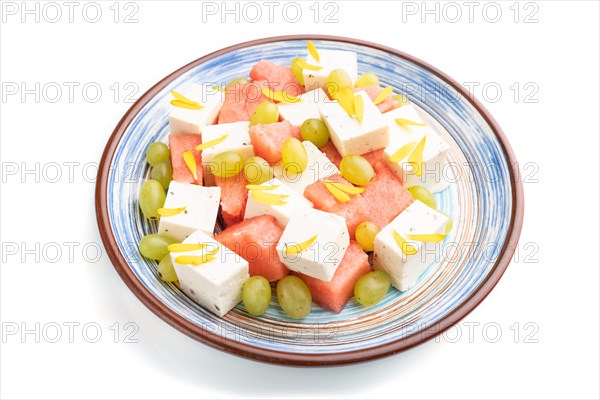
(293, 155)
(166, 270)
(294, 297)
(163, 173)
(356, 169)
(154, 246)
(156, 153)
(227, 164)
(265, 113)
(239, 81)
(423, 194)
(152, 197)
(297, 70)
(371, 288)
(365, 235)
(337, 80)
(367, 79)
(257, 170)
(316, 131)
(256, 295)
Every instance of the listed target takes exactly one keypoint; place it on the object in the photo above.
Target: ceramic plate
(485, 200)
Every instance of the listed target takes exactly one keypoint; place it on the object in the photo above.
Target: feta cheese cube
(318, 167)
(215, 285)
(326, 238)
(351, 137)
(238, 140)
(404, 270)
(201, 208)
(184, 120)
(328, 61)
(434, 153)
(294, 203)
(306, 108)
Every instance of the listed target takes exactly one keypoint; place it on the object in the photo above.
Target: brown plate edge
(294, 359)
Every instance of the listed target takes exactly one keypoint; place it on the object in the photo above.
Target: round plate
(485, 200)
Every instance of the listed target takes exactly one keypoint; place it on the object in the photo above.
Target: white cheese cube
(351, 137)
(434, 153)
(238, 140)
(318, 167)
(328, 61)
(323, 256)
(306, 108)
(201, 208)
(184, 120)
(294, 203)
(215, 285)
(404, 270)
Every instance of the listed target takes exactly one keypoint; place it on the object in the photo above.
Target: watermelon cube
(334, 295)
(233, 198)
(178, 144)
(241, 100)
(331, 152)
(354, 211)
(254, 240)
(373, 91)
(278, 77)
(267, 139)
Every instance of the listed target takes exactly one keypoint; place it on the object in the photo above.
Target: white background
(553, 284)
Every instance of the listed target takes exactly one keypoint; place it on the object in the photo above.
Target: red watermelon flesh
(386, 105)
(178, 144)
(267, 139)
(278, 77)
(233, 198)
(354, 211)
(385, 193)
(331, 152)
(241, 100)
(334, 295)
(255, 240)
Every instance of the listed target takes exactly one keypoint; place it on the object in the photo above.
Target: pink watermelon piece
(255, 240)
(233, 198)
(241, 100)
(385, 192)
(267, 139)
(178, 144)
(354, 211)
(334, 295)
(373, 90)
(331, 152)
(278, 77)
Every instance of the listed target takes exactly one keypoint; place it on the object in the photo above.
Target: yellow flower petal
(384, 94)
(432, 237)
(181, 247)
(304, 65)
(300, 247)
(211, 143)
(261, 188)
(345, 98)
(337, 193)
(183, 104)
(194, 260)
(169, 212)
(279, 96)
(407, 248)
(190, 161)
(269, 198)
(359, 107)
(416, 157)
(312, 50)
(346, 188)
(181, 97)
(402, 152)
(408, 122)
